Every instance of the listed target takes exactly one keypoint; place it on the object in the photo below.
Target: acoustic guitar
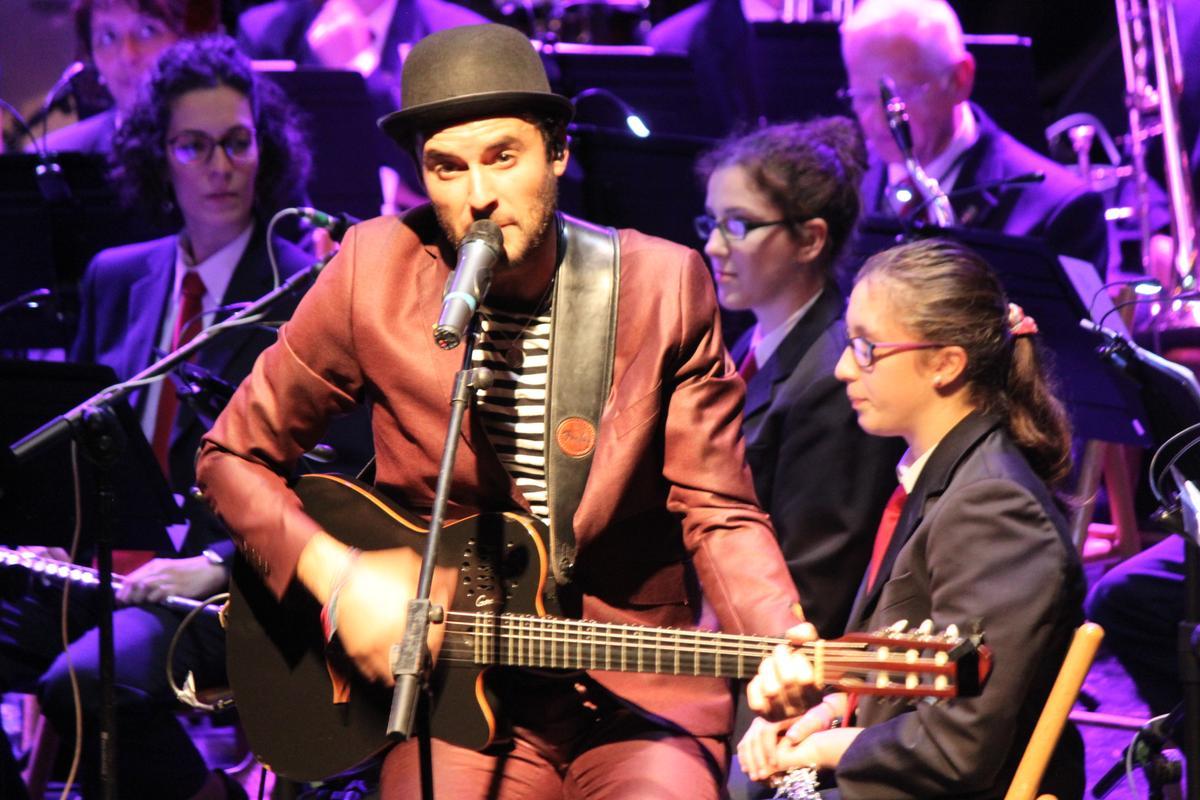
(502, 615)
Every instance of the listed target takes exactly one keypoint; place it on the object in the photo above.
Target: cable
(64, 632)
(286, 212)
(186, 694)
(1154, 484)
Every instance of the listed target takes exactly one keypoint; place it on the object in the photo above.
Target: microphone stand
(93, 424)
(1119, 349)
(411, 656)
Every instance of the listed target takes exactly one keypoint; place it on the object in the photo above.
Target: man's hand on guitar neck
(375, 589)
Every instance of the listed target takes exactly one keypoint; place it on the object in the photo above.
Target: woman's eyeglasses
(865, 355)
(732, 228)
(196, 147)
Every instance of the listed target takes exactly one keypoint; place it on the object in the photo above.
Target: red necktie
(187, 325)
(883, 536)
(749, 366)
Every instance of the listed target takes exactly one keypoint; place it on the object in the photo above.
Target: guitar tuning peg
(912, 681)
(899, 626)
(926, 627)
(951, 631)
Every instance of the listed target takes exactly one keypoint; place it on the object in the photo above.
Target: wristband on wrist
(329, 610)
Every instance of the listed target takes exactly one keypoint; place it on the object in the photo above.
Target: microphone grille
(485, 231)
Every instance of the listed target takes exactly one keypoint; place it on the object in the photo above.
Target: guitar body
(277, 658)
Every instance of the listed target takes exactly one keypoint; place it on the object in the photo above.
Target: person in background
(122, 39)
(974, 537)
(361, 35)
(781, 203)
(213, 150)
(918, 44)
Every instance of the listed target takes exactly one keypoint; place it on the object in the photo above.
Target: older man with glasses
(918, 45)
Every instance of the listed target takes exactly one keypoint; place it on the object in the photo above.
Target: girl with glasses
(781, 203)
(940, 358)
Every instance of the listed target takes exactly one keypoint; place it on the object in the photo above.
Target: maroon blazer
(669, 506)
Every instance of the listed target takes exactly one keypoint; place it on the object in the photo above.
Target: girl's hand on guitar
(371, 607)
(152, 582)
(769, 748)
(784, 686)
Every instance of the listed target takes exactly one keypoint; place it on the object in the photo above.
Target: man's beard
(545, 205)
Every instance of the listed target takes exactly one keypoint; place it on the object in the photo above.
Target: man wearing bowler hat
(662, 527)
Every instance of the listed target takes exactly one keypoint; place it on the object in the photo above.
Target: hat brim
(405, 124)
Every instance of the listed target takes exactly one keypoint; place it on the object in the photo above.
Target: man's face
(931, 95)
(495, 169)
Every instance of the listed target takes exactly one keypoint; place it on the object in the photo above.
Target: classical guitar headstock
(903, 662)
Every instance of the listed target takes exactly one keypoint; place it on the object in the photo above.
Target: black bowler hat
(471, 72)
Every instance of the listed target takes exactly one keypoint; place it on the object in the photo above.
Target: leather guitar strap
(582, 346)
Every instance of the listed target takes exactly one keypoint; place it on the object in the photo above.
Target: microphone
(481, 248)
(1022, 180)
(1148, 744)
(896, 113)
(336, 224)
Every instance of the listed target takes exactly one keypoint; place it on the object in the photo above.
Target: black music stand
(797, 69)
(342, 135)
(36, 499)
(130, 491)
(50, 227)
(662, 88)
(1104, 402)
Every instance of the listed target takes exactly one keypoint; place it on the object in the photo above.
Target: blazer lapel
(874, 181)
(931, 484)
(764, 385)
(976, 207)
(149, 293)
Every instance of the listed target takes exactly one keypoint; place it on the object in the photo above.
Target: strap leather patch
(576, 437)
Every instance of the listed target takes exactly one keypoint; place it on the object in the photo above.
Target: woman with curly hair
(214, 148)
(974, 537)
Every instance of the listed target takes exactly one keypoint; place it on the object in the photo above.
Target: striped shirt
(516, 347)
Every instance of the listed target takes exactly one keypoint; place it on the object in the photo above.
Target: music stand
(1104, 402)
(35, 502)
(49, 231)
(661, 88)
(798, 69)
(130, 491)
(346, 145)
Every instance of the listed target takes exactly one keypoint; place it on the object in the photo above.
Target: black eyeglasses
(853, 97)
(865, 355)
(196, 147)
(733, 228)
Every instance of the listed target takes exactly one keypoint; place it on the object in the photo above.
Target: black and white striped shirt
(516, 347)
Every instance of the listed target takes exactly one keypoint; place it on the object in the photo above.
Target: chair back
(1054, 714)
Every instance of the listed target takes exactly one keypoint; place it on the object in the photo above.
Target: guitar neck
(64, 572)
(871, 664)
(554, 643)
